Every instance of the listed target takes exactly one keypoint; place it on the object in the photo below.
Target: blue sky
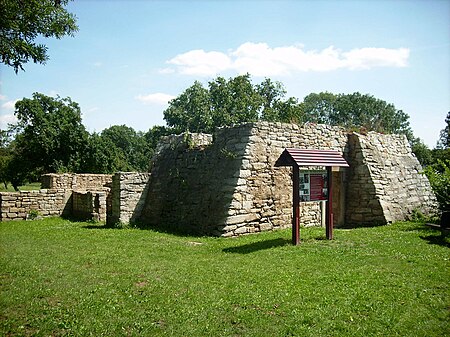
(130, 57)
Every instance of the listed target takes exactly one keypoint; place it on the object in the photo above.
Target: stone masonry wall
(192, 180)
(90, 205)
(229, 186)
(385, 181)
(17, 205)
(264, 199)
(76, 181)
(128, 196)
(56, 197)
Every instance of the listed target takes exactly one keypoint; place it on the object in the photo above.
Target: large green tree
(355, 111)
(130, 145)
(49, 137)
(5, 156)
(22, 22)
(226, 102)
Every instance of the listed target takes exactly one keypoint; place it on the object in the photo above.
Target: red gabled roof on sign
(300, 157)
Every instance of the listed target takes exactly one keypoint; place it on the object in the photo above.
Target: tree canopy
(355, 111)
(49, 136)
(22, 22)
(226, 102)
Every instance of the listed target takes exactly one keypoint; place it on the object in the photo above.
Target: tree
(226, 102)
(356, 111)
(5, 156)
(190, 110)
(444, 136)
(320, 108)
(49, 137)
(24, 21)
(103, 156)
(439, 176)
(274, 107)
(423, 154)
(233, 101)
(131, 145)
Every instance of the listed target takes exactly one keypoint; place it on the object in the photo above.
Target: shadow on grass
(355, 226)
(435, 236)
(171, 230)
(97, 226)
(441, 240)
(257, 246)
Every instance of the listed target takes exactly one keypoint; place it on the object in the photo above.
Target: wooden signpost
(311, 186)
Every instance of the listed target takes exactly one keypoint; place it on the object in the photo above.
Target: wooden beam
(296, 205)
(329, 219)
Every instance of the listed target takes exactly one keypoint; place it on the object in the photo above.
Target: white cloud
(7, 119)
(199, 62)
(9, 106)
(7, 113)
(366, 58)
(93, 109)
(259, 59)
(2, 97)
(156, 98)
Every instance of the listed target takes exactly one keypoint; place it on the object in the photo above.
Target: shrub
(439, 176)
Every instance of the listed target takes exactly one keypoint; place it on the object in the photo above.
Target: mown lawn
(62, 278)
(27, 187)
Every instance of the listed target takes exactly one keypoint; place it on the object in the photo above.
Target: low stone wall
(129, 190)
(90, 205)
(18, 205)
(76, 181)
(56, 197)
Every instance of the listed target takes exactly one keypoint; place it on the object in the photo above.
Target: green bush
(439, 176)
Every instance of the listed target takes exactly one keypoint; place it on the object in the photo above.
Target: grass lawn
(62, 278)
(27, 187)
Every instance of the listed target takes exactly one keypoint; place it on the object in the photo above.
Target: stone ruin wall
(227, 185)
(61, 194)
(385, 183)
(128, 193)
(264, 201)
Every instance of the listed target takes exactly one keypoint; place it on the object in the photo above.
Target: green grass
(27, 187)
(61, 278)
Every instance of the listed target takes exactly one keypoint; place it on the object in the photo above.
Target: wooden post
(329, 219)
(296, 206)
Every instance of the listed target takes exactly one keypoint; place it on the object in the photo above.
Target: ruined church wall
(76, 181)
(227, 185)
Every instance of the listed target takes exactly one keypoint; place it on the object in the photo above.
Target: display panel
(313, 185)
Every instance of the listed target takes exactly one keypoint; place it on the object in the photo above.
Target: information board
(313, 185)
